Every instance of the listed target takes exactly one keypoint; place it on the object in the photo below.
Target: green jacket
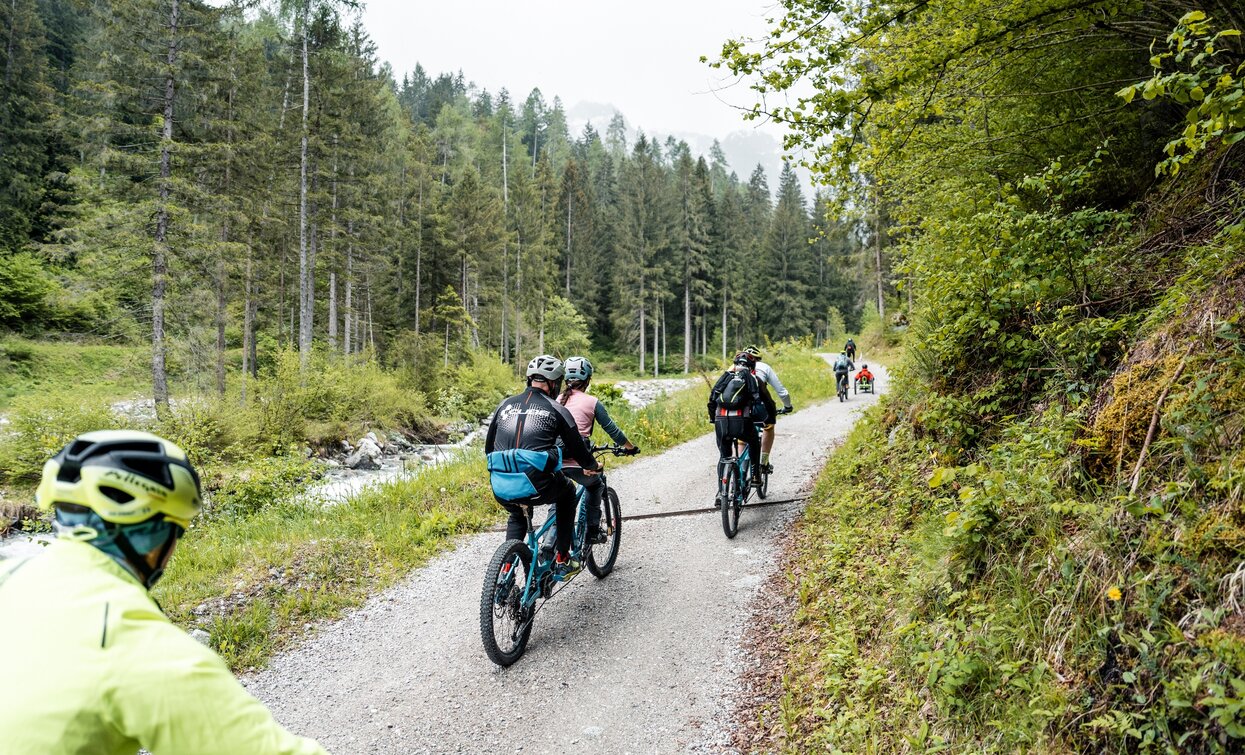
(93, 666)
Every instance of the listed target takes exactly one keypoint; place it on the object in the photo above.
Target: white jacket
(766, 375)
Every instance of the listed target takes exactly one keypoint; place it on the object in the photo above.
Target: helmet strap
(139, 563)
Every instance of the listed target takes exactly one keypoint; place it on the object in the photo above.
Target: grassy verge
(92, 371)
(255, 575)
(1014, 595)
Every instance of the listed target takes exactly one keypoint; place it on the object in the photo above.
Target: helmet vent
(115, 495)
(152, 469)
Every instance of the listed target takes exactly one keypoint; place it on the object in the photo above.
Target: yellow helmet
(124, 476)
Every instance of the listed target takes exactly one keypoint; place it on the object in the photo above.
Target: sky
(640, 57)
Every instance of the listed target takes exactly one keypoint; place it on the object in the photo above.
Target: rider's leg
(565, 512)
(767, 443)
(595, 491)
(516, 525)
(754, 451)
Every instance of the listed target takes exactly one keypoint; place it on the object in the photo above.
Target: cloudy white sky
(640, 57)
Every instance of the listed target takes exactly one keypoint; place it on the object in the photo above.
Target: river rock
(365, 455)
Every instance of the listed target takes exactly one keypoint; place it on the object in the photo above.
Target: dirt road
(641, 662)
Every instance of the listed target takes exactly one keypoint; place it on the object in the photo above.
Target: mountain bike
(516, 586)
(841, 379)
(735, 484)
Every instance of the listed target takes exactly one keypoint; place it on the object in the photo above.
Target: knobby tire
(510, 612)
(601, 557)
(731, 504)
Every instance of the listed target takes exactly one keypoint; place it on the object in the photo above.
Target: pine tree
(786, 264)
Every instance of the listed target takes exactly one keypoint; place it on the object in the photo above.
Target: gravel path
(641, 662)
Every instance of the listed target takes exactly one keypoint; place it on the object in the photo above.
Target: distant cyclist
(93, 664)
(526, 439)
(734, 406)
(842, 366)
(864, 377)
(849, 349)
(767, 378)
(588, 411)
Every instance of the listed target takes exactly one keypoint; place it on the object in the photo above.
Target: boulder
(365, 455)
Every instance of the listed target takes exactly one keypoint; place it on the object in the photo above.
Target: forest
(233, 180)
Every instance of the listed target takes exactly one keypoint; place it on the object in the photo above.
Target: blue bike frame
(542, 567)
(745, 479)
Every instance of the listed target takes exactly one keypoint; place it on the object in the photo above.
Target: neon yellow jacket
(93, 666)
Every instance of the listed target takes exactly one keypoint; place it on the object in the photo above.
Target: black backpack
(734, 394)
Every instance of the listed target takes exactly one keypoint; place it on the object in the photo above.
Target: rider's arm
(171, 694)
(491, 436)
(603, 418)
(572, 442)
(771, 377)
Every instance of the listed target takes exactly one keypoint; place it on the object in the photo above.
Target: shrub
(40, 425)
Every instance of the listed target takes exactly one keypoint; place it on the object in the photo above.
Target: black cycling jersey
(533, 422)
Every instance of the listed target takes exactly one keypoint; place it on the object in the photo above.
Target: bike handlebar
(615, 450)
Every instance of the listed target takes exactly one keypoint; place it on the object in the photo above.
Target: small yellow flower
(1114, 594)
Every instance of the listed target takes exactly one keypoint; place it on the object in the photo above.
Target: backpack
(840, 365)
(734, 394)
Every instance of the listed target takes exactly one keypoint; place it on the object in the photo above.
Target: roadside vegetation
(1036, 542)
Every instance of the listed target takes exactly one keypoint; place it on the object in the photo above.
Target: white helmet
(578, 369)
(545, 367)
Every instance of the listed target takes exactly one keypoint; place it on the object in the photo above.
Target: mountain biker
(734, 405)
(117, 675)
(864, 374)
(849, 349)
(588, 411)
(526, 439)
(766, 376)
(842, 366)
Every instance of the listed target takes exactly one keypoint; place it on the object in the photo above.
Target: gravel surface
(645, 661)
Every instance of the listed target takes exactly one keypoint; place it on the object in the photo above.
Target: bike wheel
(764, 489)
(505, 624)
(601, 556)
(730, 506)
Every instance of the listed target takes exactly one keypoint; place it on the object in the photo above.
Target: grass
(255, 579)
(91, 371)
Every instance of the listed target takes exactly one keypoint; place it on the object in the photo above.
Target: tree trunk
(249, 368)
(333, 310)
(643, 334)
(687, 327)
(656, 333)
(570, 200)
(724, 323)
(419, 253)
(877, 252)
(8, 60)
(220, 324)
(346, 340)
(159, 257)
(304, 269)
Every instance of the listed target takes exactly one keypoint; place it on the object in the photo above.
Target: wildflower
(1114, 594)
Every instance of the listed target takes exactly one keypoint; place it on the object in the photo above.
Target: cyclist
(118, 675)
(842, 366)
(766, 376)
(864, 376)
(734, 405)
(849, 349)
(524, 446)
(588, 411)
